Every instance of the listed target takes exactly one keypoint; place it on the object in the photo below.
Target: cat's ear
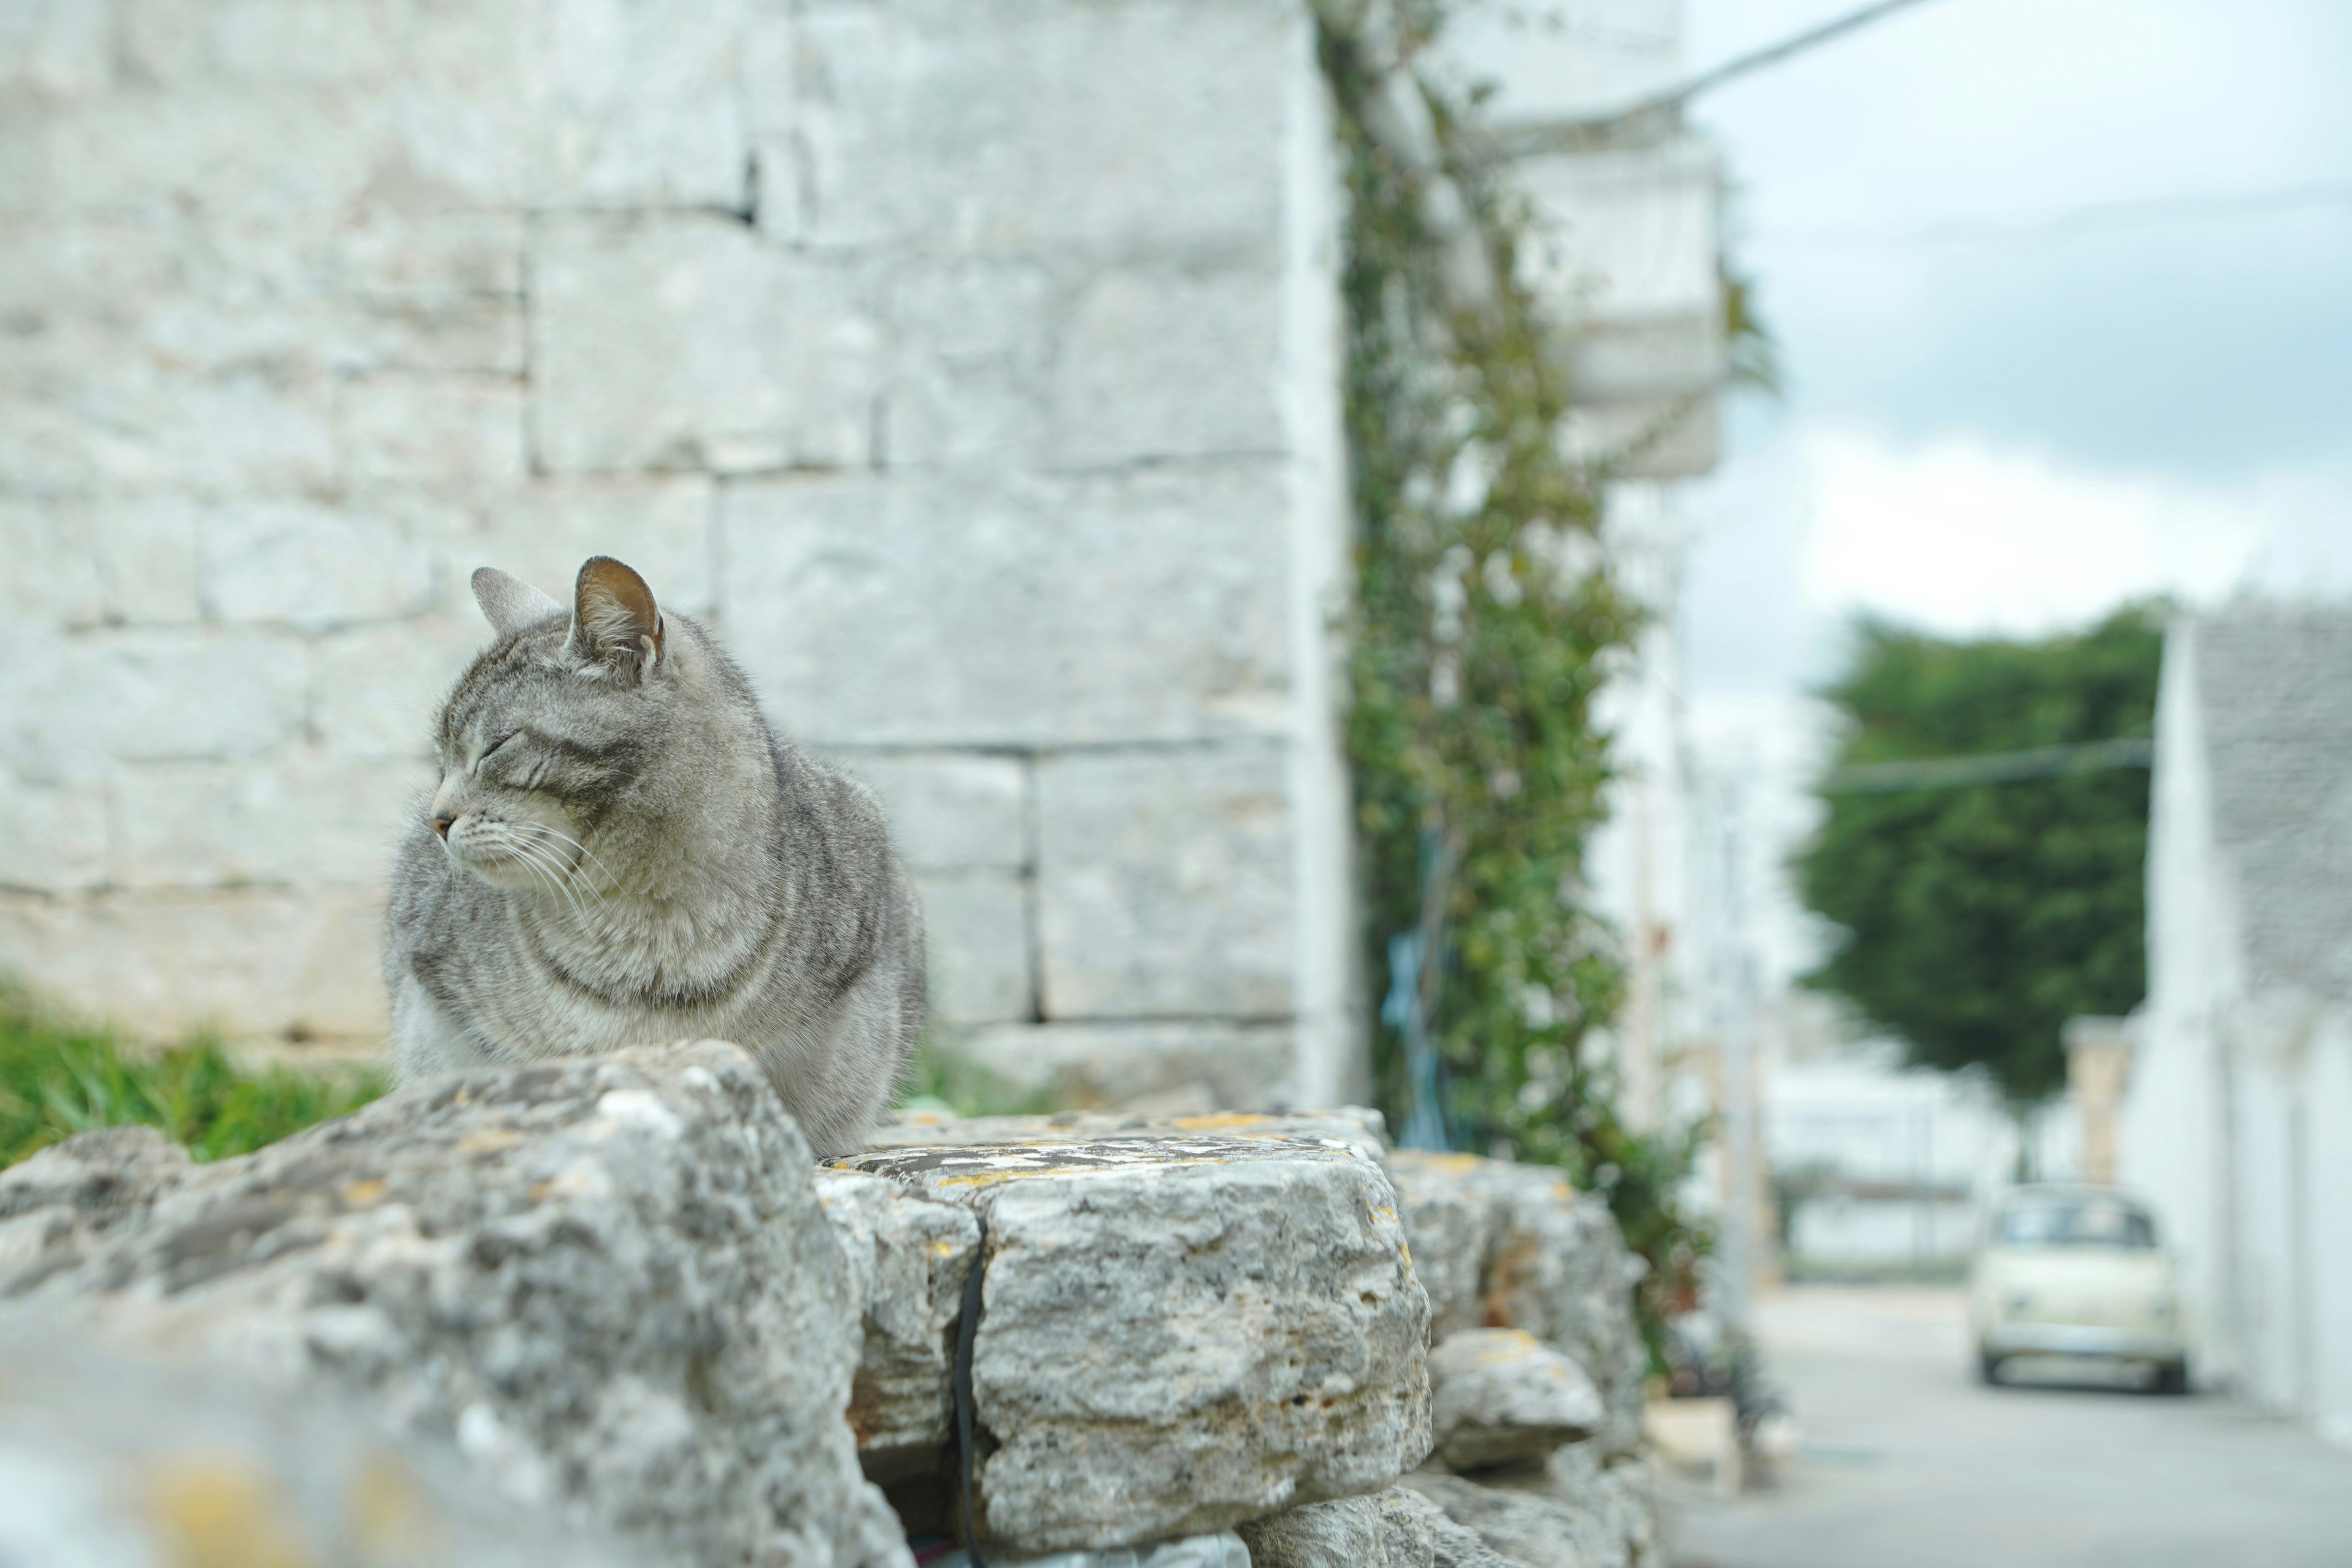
(510, 604)
(616, 625)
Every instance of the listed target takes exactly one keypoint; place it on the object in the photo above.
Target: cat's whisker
(569, 842)
(540, 861)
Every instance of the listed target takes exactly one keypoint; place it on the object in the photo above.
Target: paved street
(1908, 1464)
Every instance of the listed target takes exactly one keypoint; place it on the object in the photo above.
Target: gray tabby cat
(620, 852)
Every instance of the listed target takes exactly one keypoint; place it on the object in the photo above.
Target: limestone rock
(1360, 1126)
(1515, 1247)
(1501, 1394)
(908, 1257)
(1621, 1493)
(1395, 1528)
(1181, 1334)
(1222, 1550)
(1528, 1529)
(609, 1280)
(107, 1462)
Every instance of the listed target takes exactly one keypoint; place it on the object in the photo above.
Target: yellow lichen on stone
(220, 1511)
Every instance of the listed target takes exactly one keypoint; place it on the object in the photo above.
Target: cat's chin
(498, 870)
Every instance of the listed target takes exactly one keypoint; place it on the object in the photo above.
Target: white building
(2237, 1117)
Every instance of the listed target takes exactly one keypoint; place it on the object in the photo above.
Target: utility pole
(1736, 1029)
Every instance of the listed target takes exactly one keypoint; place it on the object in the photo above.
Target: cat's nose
(441, 823)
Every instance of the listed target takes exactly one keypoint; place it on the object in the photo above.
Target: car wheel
(2171, 1378)
(1988, 1367)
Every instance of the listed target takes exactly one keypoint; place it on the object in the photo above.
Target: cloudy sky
(2064, 295)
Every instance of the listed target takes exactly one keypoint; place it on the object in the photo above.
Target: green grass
(943, 1081)
(58, 1078)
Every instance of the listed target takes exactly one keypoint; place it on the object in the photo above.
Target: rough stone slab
(1180, 636)
(377, 686)
(1358, 1125)
(609, 1281)
(1169, 364)
(684, 341)
(908, 1257)
(1182, 1333)
(297, 821)
(252, 960)
(1395, 1528)
(1514, 1247)
(661, 524)
(949, 811)
(452, 433)
(57, 841)
(973, 344)
(1165, 881)
(1009, 129)
(1222, 1550)
(1621, 1491)
(1527, 1529)
(307, 565)
(1184, 1066)
(976, 924)
(108, 1462)
(85, 702)
(1502, 1395)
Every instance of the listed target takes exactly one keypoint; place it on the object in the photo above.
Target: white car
(2076, 1271)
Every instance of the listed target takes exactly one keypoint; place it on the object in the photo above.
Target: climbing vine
(1487, 619)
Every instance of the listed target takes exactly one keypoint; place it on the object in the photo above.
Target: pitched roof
(2274, 687)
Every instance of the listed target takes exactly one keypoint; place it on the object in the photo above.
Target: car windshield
(2076, 1222)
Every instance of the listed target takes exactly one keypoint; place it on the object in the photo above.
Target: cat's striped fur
(620, 851)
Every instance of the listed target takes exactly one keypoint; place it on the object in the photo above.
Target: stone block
(1191, 1064)
(660, 524)
(454, 433)
(1181, 1334)
(1014, 129)
(1354, 1124)
(949, 811)
(1527, 1530)
(378, 688)
(249, 961)
(1515, 1247)
(976, 924)
(307, 565)
(545, 104)
(217, 148)
(56, 841)
(299, 821)
(1013, 611)
(392, 253)
(83, 701)
(53, 551)
(1164, 883)
(973, 342)
(908, 1258)
(54, 49)
(686, 341)
(1394, 1529)
(150, 550)
(109, 1461)
(608, 1282)
(1503, 1397)
(1169, 364)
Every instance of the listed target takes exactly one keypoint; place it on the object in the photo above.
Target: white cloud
(1961, 537)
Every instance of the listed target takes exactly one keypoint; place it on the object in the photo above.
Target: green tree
(1976, 920)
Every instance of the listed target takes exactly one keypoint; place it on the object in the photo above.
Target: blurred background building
(2238, 1115)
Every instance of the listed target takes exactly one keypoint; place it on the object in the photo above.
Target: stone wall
(972, 365)
(618, 1297)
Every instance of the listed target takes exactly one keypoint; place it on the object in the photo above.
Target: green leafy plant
(1487, 620)
(58, 1078)
(1974, 920)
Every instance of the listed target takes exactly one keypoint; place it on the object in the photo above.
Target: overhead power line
(1564, 135)
(1989, 767)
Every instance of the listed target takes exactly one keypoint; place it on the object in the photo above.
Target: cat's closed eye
(492, 749)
